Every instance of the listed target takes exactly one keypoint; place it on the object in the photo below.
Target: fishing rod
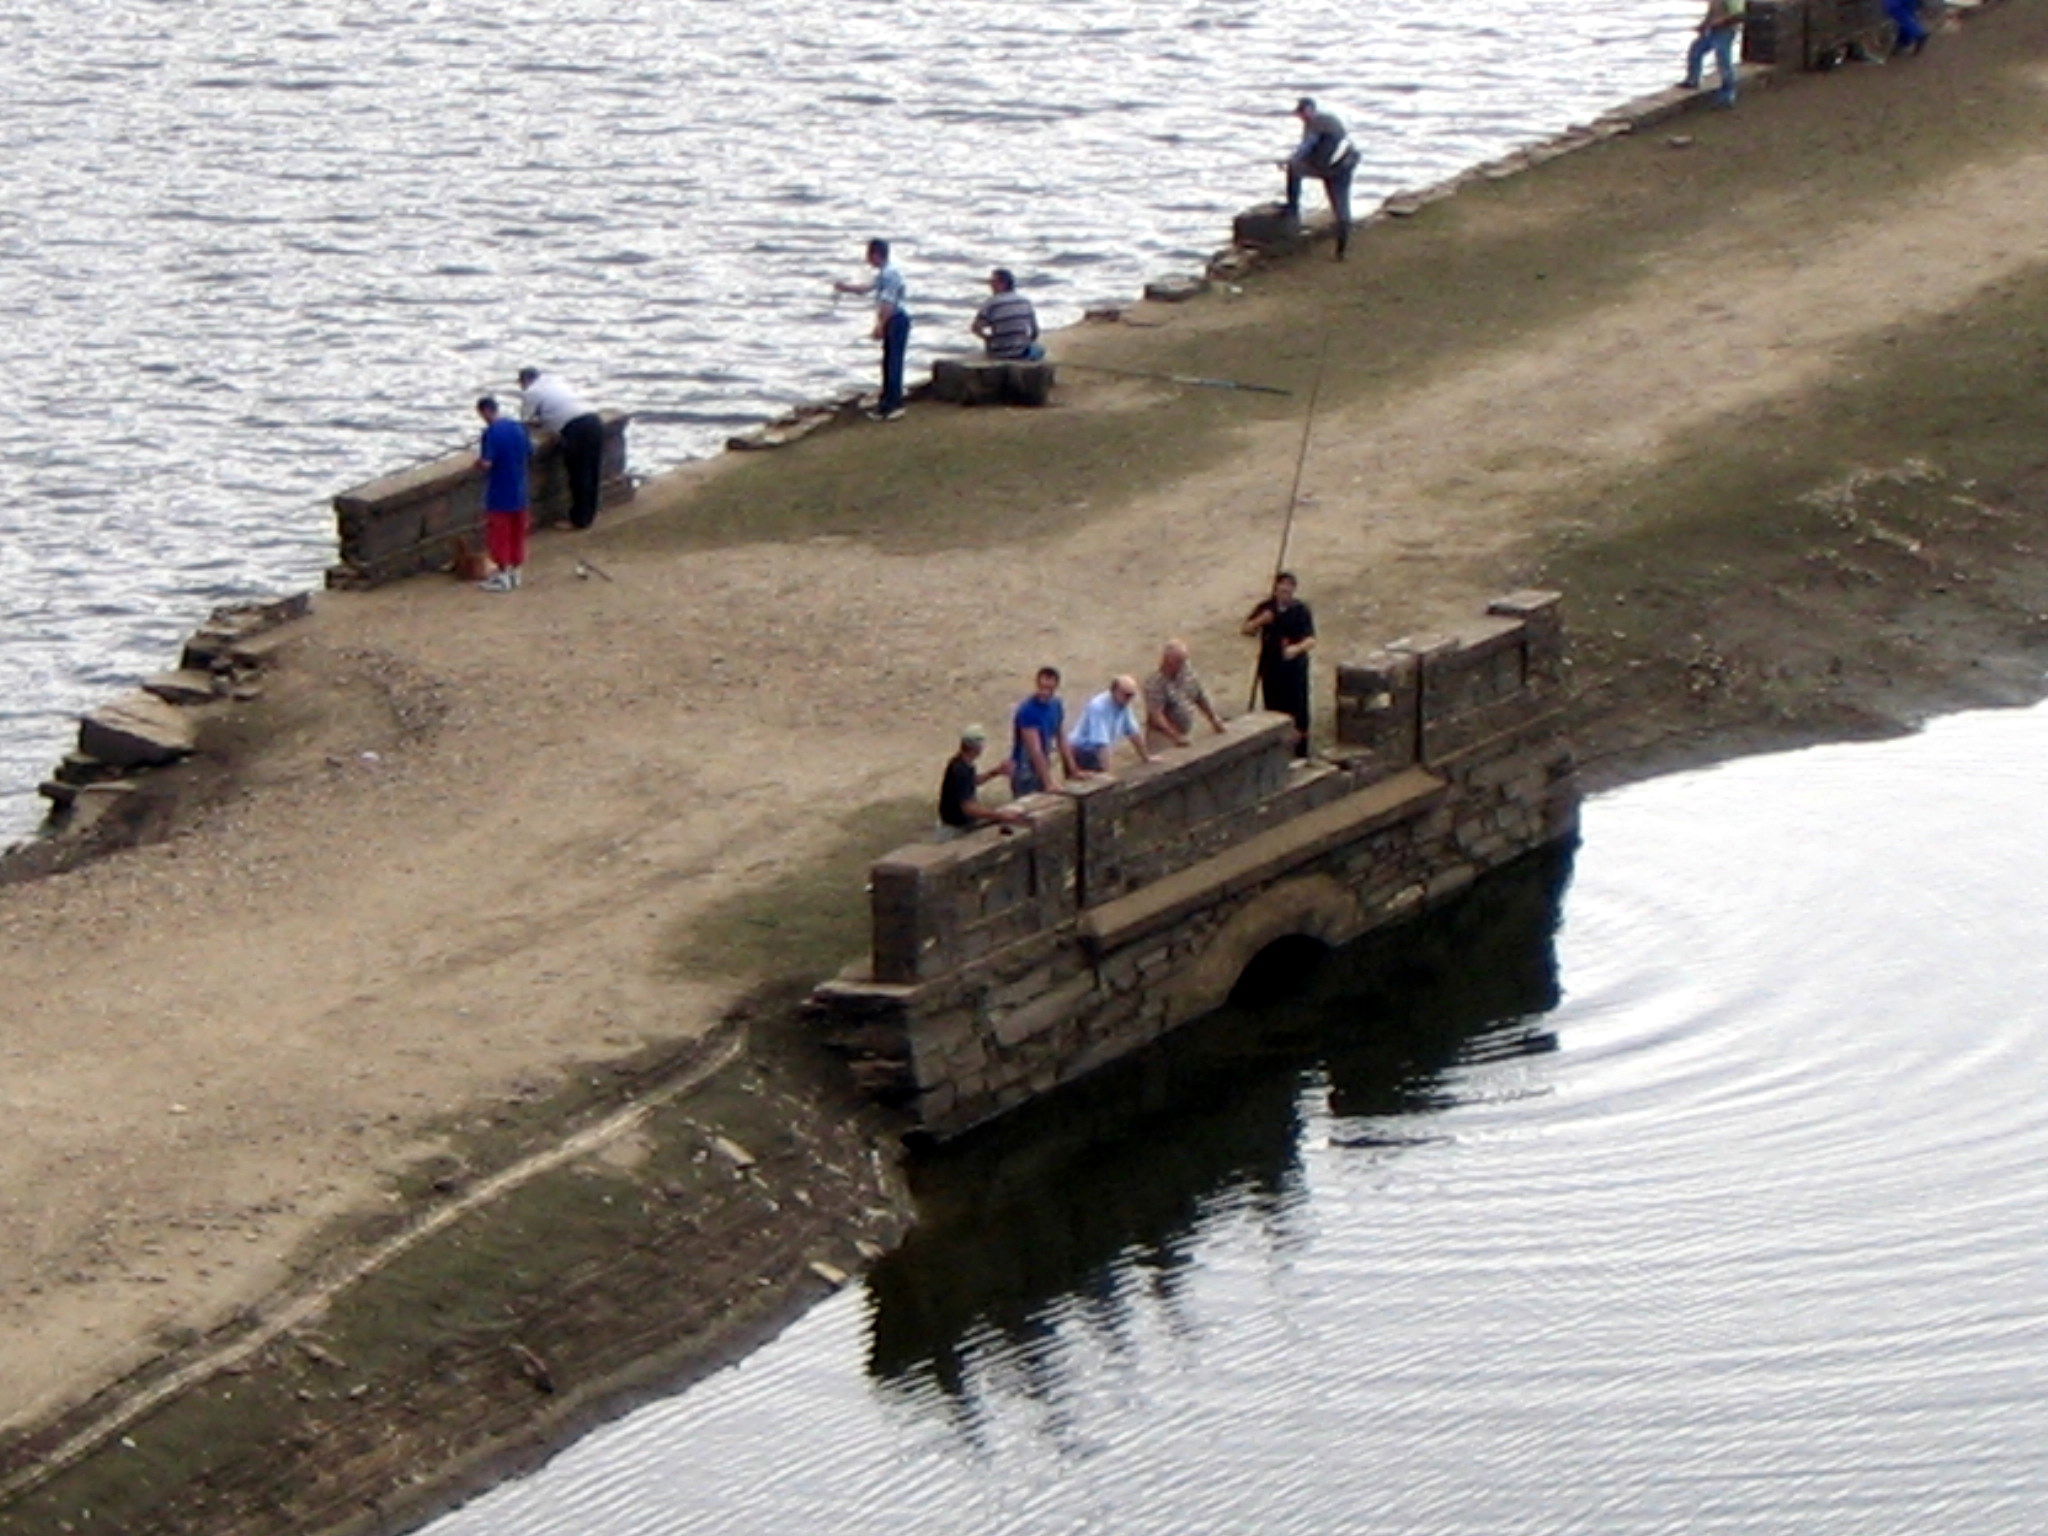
(1308, 423)
(1189, 379)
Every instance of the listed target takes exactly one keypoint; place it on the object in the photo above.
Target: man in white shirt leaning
(549, 403)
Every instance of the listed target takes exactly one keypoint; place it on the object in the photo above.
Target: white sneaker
(518, 575)
(502, 582)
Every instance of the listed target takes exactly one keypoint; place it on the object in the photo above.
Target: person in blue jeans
(892, 326)
(1716, 36)
(1905, 15)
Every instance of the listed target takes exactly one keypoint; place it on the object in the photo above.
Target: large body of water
(253, 253)
(1700, 1194)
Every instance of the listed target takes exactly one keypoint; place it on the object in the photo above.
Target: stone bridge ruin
(1009, 961)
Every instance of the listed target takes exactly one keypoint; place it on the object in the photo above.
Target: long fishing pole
(1189, 379)
(1308, 425)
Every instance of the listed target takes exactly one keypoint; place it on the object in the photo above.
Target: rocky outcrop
(137, 730)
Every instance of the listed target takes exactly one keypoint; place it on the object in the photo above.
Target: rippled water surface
(252, 253)
(1717, 1207)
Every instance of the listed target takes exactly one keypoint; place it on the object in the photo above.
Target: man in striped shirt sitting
(1006, 323)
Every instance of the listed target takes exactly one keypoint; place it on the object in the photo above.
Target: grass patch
(1840, 563)
(807, 922)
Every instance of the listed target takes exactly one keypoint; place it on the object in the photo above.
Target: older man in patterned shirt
(1172, 696)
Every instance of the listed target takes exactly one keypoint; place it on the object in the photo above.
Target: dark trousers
(1337, 187)
(583, 462)
(895, 342)
(1283, 688)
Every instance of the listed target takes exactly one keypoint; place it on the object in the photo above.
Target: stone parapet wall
(1154, 818)
(1005, 964)
(411, 521)
(940, 906)
(1428, 697)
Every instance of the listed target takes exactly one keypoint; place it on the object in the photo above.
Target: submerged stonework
(1009, 961)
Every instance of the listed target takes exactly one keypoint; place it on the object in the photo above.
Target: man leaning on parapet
(1717, 32)
(1326, 153)
(551, 404)
(1173, 694)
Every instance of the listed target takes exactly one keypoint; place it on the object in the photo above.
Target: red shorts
(505, 538)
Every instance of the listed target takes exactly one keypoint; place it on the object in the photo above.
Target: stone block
(1029, 383)
(94, 803)
(406, 522)
(1448, 882)
(1268, 227)
(1020, 1025)
(137, 730)
(185, 686)
(1176, 290)
(969, 380)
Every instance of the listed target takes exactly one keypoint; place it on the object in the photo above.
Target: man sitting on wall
(959, 809)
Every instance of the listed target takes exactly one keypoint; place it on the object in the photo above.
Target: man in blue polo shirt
(892, 326)
(1038, 737)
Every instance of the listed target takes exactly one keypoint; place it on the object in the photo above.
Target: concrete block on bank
(404, 523)
(137, 730)
(1268, 227)
(992, 381)
(1176, 290)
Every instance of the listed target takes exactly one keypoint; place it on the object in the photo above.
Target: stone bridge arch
(1312, 906)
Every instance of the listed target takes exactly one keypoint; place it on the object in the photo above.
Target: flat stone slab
(184, 686)
(137, 730)
(1176, 290)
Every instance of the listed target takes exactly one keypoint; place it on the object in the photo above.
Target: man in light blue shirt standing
(892, 326)
(1108, 719)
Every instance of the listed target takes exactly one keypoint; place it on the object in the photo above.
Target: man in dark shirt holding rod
(1326, 153)
(1287, 633)
(958, 807)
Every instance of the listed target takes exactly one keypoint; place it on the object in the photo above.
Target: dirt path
(488, 840)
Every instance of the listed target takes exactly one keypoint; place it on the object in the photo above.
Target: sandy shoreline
(1775, 444)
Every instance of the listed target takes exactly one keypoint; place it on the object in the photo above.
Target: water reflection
(1117, 1176)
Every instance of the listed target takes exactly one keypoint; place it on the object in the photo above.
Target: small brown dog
(468, 563)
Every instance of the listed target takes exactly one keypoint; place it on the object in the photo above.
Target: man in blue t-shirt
(503, 455)
(1038, 737)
